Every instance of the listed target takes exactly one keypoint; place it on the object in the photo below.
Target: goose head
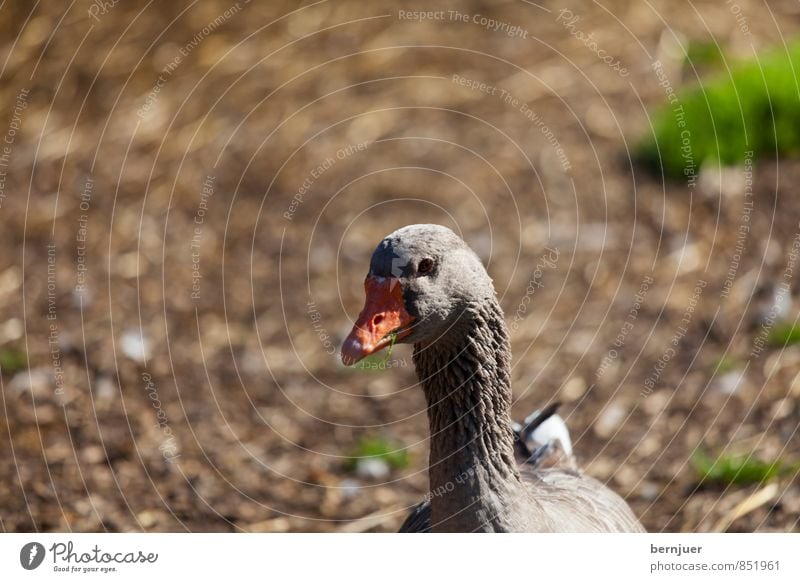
(421, 280)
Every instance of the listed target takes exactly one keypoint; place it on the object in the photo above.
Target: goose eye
(425, 266)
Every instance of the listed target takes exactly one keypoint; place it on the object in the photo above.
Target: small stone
(93, 455)
(718, 181)
(37, 381)
(601, 122)
(573, 389)
(649, 491)
(10, 280)
(45, 414)
(730, 382)
(372, 468)
(687, 257)
(82, 297)
(350, 488)
(11, 330)
(594, 237)
(600, 468)
(105, 388)
(626, 476)
(648, 446)
(782, 408)
(147, 519)
(609, 420)
(656, 402)
(127, 265)
(135, 345)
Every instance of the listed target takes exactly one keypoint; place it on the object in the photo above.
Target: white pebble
(730, 382)
(350, 488)
(135, 345)
(372, 468)
(610, 420)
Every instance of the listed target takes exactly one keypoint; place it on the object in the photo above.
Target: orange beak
(384, 313)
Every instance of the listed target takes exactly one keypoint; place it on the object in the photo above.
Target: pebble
(594, 237)
(372, 468)
(782, 408)
(11, 330)
(82, 297)
(687, 258)
(573, 389)
(37, 381)
(727, 182)
(656, 402)
(135, 345)
(105, 388)
(127, 265)
(609, 420)
(626, 476)
(147, 519)
(93, 455)
(45, 414)
(600, 121)
(600, 468)
(647, 446)
(10, 280)
(649, 491)
(350, 488)
(730, 382)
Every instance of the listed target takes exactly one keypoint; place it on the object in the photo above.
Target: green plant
(375, 362)
(12, 360)
(724, 365)
(733, 469)
(703, 54)
(754, 109)
(784, 334)
(378, 447)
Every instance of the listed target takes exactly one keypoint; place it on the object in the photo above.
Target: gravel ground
(190, 194)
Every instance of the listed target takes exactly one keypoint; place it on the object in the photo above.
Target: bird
(426, 287)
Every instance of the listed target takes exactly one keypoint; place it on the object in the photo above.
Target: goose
(426, 287)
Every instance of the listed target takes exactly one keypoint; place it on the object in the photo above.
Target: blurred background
(190, 193)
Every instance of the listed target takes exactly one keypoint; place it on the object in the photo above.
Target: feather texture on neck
(466, 379)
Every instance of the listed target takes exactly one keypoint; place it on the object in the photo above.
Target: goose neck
(466, 380)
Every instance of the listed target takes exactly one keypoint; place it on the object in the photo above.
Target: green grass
(755, 108)
(377, 361)
(12, 360)
(369, 447)
(784, 334)
(373, 363)
(703, 54)
(732, 469)
(724, 365)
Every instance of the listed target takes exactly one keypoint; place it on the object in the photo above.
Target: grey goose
(426, 287)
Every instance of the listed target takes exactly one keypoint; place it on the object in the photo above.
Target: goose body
(426, 287)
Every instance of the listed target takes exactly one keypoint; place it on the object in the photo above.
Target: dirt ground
(190, 195)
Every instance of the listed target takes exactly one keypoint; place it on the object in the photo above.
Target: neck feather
(467, 383)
